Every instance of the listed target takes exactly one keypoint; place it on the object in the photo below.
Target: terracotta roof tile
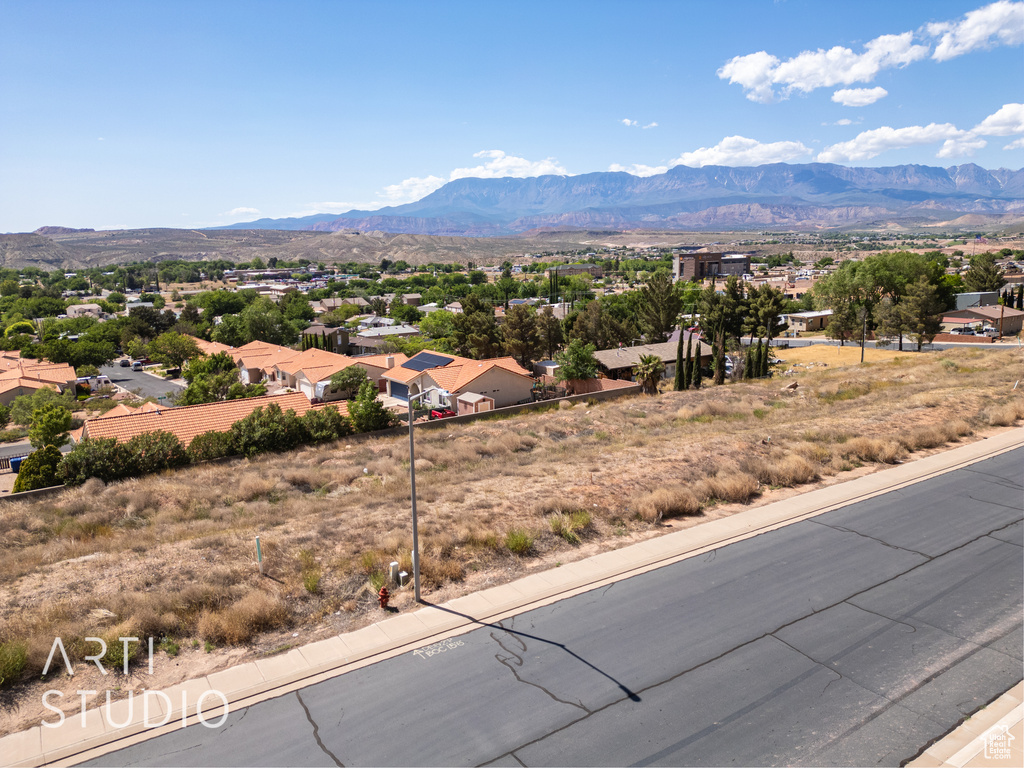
(191, 420)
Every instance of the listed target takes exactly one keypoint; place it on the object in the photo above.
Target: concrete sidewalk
(100, 731)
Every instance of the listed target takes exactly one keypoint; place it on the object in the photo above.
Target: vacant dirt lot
(173, 556)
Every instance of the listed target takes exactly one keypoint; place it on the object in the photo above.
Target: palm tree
(648, 373)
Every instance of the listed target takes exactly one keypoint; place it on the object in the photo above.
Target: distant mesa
(60, 231)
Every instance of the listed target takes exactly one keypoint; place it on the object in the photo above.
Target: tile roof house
(315, 381)
(188, 422)
(1010, 319)
(501, 379)
(256, 359)
(210, 347)
(24, 376)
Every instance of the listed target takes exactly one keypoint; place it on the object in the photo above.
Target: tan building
(501, 380)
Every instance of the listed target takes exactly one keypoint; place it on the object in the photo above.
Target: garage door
(399, 390)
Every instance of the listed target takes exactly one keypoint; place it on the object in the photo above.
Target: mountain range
(807, 196)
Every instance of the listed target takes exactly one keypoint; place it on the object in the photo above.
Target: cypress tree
(696, 368)
(765, 356)
(761, 359)
(688, 364)
(748, 363)
(680, 381)
(1020, 296)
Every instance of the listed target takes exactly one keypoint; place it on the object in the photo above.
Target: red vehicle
(442, 413)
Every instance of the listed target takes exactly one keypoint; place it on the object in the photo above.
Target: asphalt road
(853, 638)
(140, 382)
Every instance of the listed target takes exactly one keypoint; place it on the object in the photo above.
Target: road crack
(316, 732)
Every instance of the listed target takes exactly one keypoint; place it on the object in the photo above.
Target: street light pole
(412, 492)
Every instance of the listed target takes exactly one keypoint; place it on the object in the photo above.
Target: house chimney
(389, 361)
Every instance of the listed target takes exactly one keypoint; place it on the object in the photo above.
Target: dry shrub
(875, 450)
(923, 438)
(790, 469)
(667, 501)
(436, 571)
(1003, 415)
(729, 486)
(385, 467)
(959, 428)
(240, 621)
(815, 452)
(254, 486)
(461, 452)
(569, 525)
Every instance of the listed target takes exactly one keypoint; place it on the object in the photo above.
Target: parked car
(137, 365)
(442, 413)
(962, 331)
(993, 332)
(125, 363)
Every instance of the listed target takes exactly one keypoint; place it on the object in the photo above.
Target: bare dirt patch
(173, 556)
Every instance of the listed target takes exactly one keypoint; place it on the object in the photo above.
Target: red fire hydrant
(383, 596)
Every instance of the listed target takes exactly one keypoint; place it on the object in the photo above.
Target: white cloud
(499, 165)
(859, 97)
(242, 212)
(961, 147)
(758, 73)
(738, 150)
(638, 170)
(761, 73)
(629, 123)
(755, 72)
(1018, 144)
(1008, 120)
(844, 121)
(872, 143)
(1001, 23)
(650, 125)
(412, 189)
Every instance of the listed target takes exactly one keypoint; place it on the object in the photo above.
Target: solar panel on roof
(424, 361)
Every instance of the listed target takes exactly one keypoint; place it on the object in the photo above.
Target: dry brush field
(173, 556)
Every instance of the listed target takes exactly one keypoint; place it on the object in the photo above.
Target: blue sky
(191, 114)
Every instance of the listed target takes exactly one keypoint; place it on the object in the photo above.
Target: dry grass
(174, 556)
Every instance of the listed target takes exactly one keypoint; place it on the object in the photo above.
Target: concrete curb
(993, 736)
(83, 738)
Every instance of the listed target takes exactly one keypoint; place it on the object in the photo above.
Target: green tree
(679, 381)
(268, 429)
(215, 377)
(719, 313)
(475, 334)
(368, 414)
(39, 470)
(438, 324)
(765, 306)
(549, 332)
(50, 425)
(922, 311)
(648, 373)
(154, 452)
(349, 381)
(698, 372)
(660, 304)
(983, 274)
(521, 335)
(594, 325)
(576, 363)
(173, 349)
(104, 458)
(81, 352)
(23, 406)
